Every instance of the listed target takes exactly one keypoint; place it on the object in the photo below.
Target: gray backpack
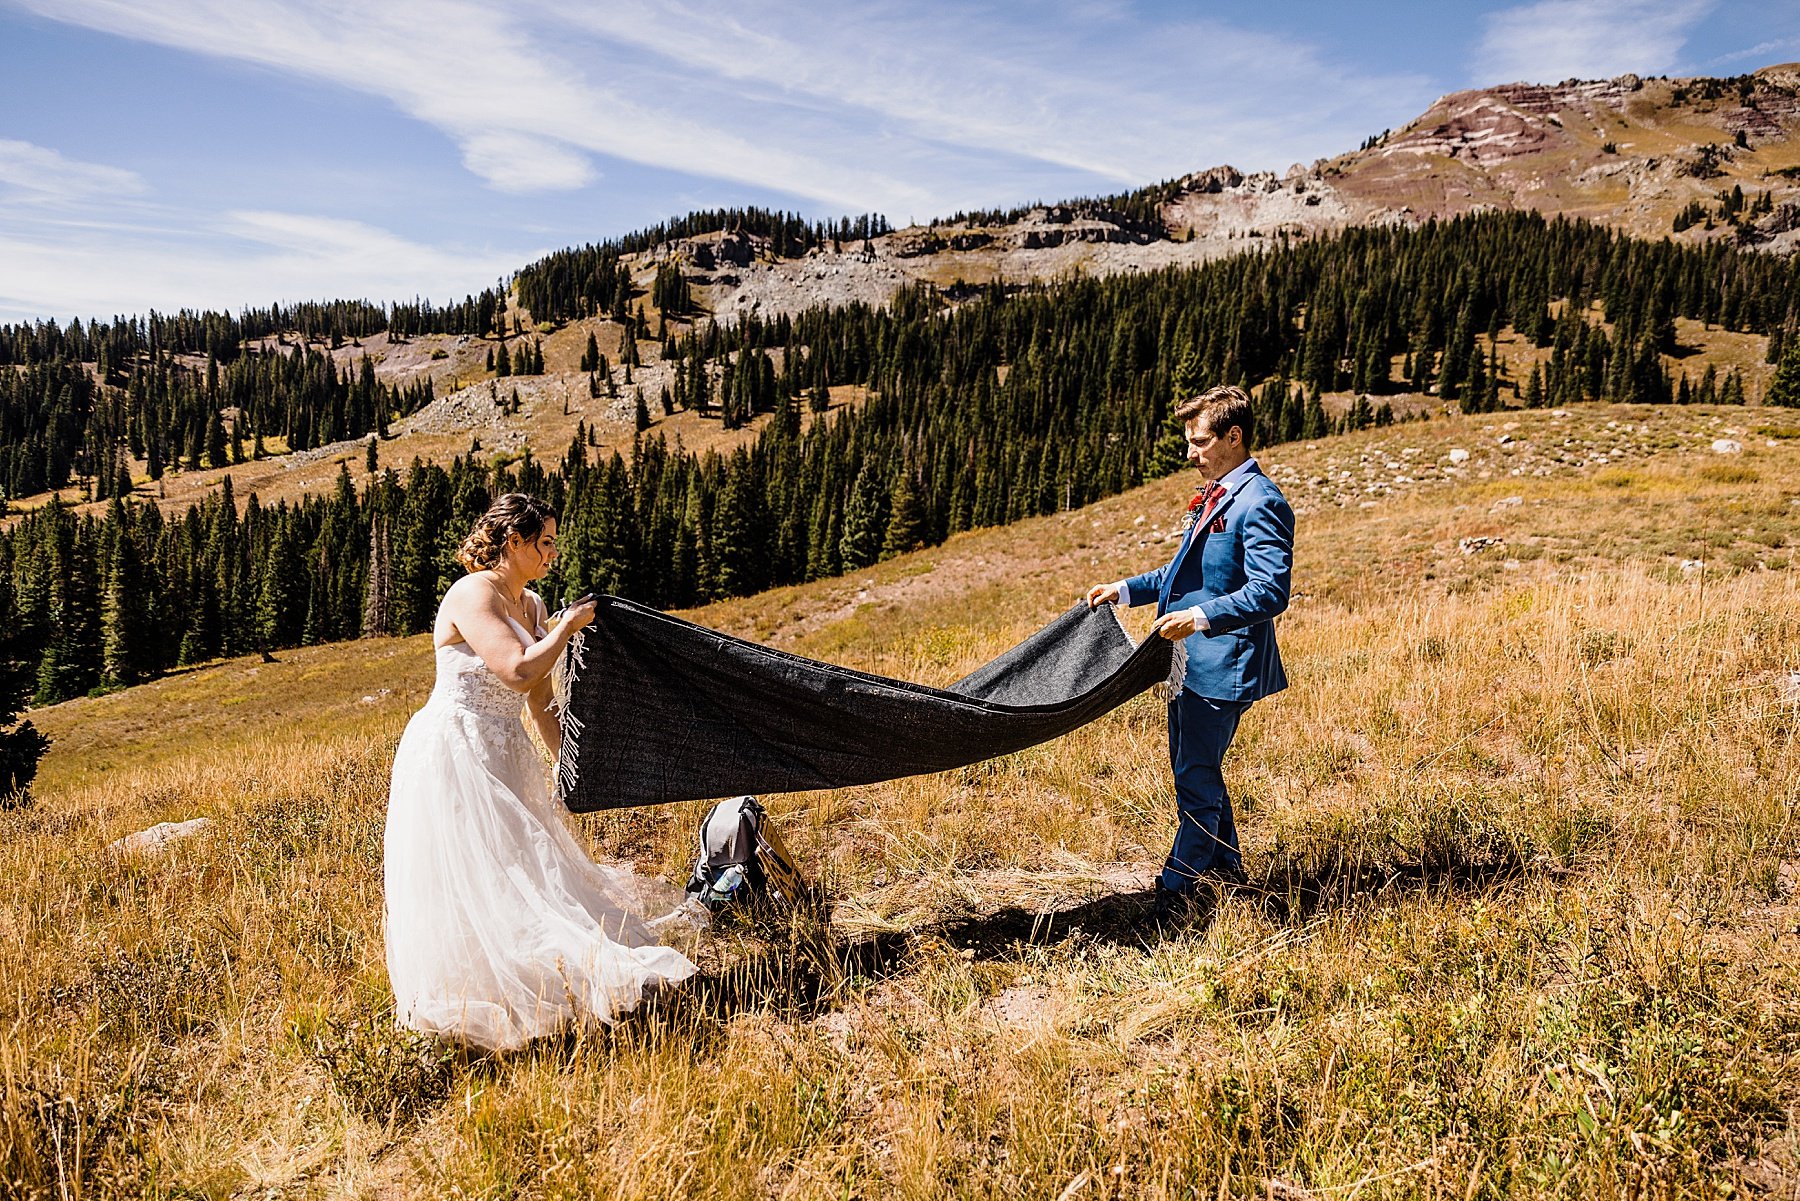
(741, 857)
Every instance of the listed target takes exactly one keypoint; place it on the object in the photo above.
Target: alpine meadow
(1522, 908)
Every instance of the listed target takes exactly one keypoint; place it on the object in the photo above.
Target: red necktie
(1214, 493)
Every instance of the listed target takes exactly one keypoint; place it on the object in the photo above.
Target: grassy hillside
(1521, 921)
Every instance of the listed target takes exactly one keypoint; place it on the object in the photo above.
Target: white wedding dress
(500, 928)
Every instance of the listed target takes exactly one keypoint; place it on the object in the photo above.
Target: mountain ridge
(1560, 149)
(1638, 155)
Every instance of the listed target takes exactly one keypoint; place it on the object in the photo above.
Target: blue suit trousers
(1200, 732)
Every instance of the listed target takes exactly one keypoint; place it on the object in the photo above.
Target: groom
(1218, 596)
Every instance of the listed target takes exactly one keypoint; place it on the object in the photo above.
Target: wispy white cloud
(1552, 40)
(71, 267)
(31, 174)
(967, 94)
(1764, 53)
(911, 110)
(1093, 87)
(521, 112)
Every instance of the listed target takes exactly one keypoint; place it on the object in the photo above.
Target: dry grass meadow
(1522, 919)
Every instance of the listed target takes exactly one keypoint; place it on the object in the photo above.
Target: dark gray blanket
(658, 709)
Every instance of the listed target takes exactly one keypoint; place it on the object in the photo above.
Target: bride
(500, 929)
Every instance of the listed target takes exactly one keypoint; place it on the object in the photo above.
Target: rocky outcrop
(736, 248)
(1705, 161)
(1213, 180)
(1484, 127)
(1771, 227)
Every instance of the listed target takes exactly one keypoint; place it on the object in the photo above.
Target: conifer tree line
(1021, 401)
(223, 336)
(203, 389)
(60, 423)
(1137, 212)
(592, 280)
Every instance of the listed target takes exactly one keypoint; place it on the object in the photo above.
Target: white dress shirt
(1230, 481)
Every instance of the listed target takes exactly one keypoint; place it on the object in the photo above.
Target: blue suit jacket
(1237, 569)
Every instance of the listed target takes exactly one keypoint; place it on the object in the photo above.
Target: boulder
(159, 837)
(737, 249)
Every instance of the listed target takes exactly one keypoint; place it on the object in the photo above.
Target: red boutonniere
(1193, 511)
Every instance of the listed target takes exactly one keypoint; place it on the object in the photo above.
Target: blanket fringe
(562, 679)
(1170, 688)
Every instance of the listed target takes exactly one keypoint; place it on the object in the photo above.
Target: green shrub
(381, 1070)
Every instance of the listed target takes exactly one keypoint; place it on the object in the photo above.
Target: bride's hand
(578, 615)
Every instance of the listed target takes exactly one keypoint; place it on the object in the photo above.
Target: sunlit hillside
(1521, 920)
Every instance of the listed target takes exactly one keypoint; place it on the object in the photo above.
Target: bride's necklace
(515, 608)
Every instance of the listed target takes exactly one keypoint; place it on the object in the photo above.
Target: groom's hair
(1220, 408)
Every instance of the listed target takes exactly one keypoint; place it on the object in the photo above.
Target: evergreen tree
(1534, 388)
(281, 603)
(377, 601)
(216, 455)
(71, 662)
(1784, 389)
(123, 608)
(1170, 453)
(906, 530)
(21, 746)
(865, 520)
(1733, 391)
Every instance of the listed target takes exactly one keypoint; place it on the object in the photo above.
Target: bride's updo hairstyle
(514, 513)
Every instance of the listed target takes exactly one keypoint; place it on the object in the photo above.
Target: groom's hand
(1177, 625)
(1103, 594)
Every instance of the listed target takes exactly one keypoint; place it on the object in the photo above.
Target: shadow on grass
(790, 962)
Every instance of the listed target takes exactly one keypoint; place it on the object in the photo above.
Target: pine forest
(1014, 402)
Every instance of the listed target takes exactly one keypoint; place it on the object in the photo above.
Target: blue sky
(216, 153)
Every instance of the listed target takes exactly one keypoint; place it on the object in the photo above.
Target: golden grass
(1521, 838)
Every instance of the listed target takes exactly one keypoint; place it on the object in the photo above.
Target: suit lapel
(1195, 533)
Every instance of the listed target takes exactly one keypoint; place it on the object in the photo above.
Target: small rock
(1459, 455)
(1474, 546)
(1727, 446)
(1138, 520)
(159, 837)
(1509, 502)
(1790, 687)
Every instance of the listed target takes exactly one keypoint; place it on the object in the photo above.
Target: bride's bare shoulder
(473, 591)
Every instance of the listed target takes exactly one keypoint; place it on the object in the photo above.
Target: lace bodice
(465, 682)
